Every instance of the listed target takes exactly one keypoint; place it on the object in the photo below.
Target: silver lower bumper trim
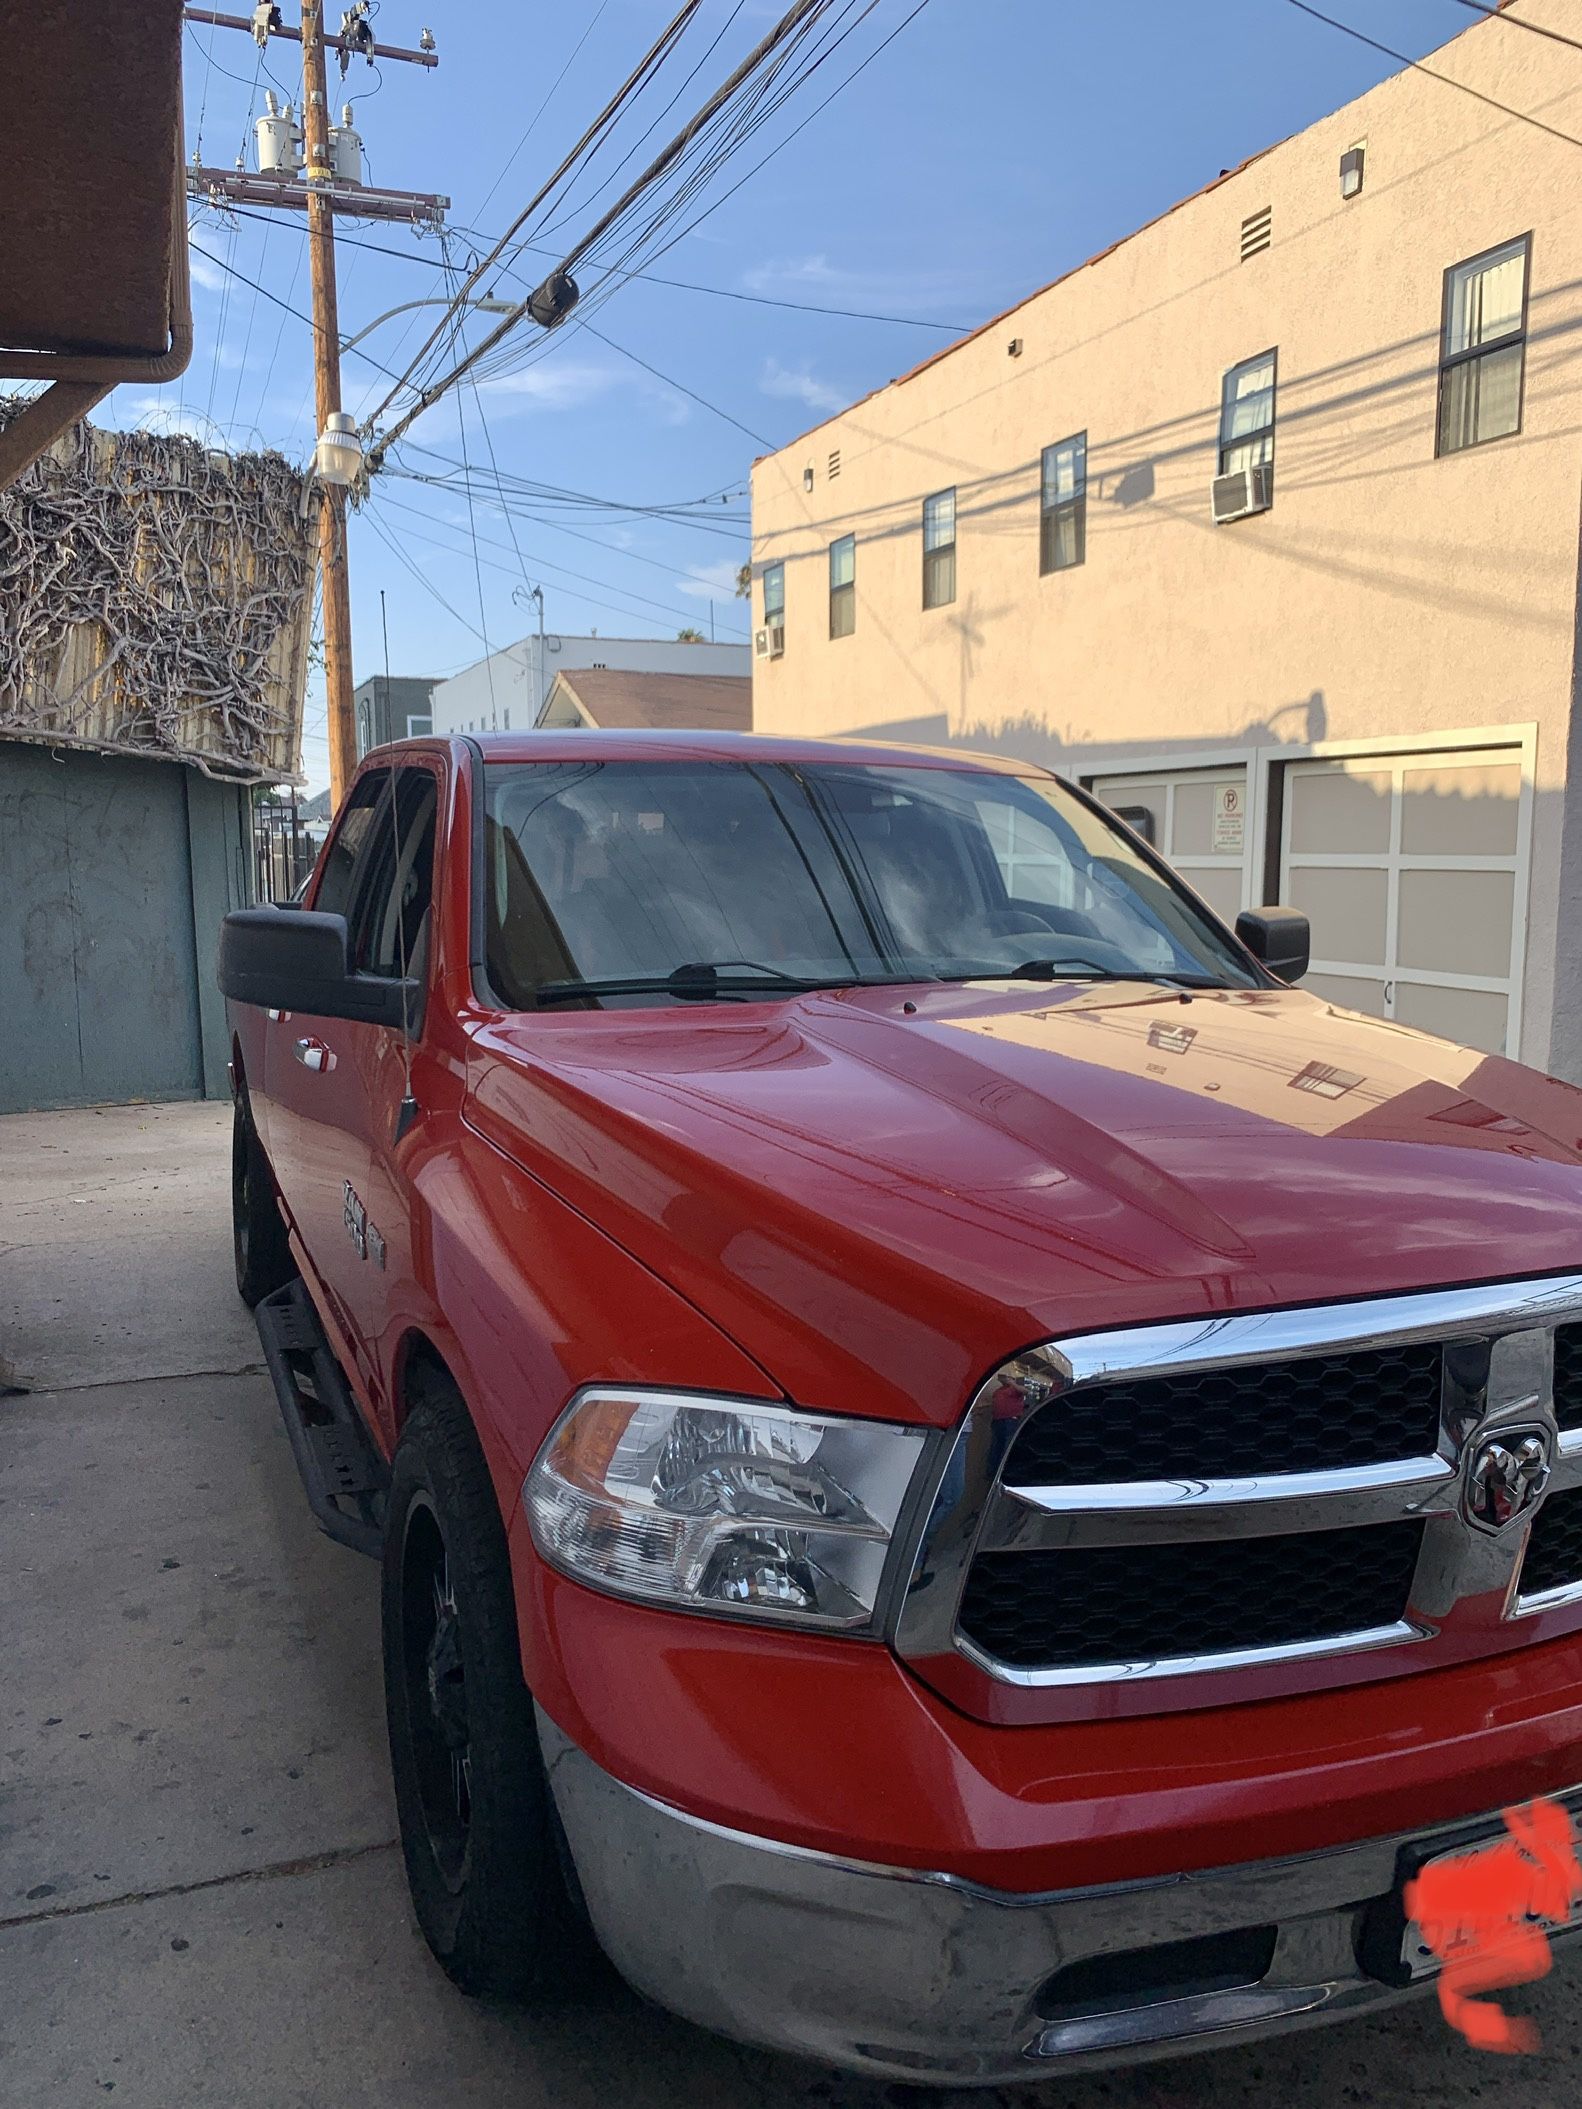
(915, 1976)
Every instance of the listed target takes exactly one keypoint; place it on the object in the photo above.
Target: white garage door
(1412, 869)
(1198, 821)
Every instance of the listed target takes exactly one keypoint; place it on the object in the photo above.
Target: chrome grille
(1554, 1551)
(1568, 1376)
(1241, 1506)
(1211, 1597)
(1365, 1408)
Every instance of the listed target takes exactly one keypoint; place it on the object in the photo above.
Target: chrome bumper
(922, 1976)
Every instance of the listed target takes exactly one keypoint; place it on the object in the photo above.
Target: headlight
(723, 1505)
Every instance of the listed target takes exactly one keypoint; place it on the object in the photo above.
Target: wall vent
(834, 462)
(1256, 232)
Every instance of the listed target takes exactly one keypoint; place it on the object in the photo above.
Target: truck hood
(880, 1194)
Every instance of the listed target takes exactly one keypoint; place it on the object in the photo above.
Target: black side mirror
(1281, 937)
(294, 959)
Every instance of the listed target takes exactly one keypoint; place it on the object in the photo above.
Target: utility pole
(326, 185)
(335, 584)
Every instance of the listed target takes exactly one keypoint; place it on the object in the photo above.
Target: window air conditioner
(771, 643)
(1242, 492)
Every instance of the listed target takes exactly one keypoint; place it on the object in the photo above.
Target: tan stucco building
(1356, 690)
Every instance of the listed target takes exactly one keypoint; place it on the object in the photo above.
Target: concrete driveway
(201, 1902)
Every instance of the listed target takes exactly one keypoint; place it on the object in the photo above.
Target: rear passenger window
(350, 847)
(389, 916)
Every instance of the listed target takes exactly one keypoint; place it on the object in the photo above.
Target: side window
(389, 918)
(1483, 347)
(351, 847)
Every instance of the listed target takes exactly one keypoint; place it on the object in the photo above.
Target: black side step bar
(346, 1479)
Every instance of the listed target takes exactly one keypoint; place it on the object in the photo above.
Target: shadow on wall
(1071, 750)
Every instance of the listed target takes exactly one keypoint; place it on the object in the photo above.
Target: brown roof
(656, 702)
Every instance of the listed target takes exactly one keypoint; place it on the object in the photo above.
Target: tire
(258, 1236)
(485, 1857)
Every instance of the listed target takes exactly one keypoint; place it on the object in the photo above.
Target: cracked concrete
(200, 1901)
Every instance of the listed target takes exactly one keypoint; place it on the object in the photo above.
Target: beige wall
(1386, 593)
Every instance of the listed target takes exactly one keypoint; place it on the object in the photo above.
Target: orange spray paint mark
(1487, 1915)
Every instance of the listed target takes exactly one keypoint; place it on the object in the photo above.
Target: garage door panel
(1221, 889)
(1472, 1017)
(1376, 850)
(1457, 921)
(1349, 911)
(1339, 810)
(1467, 812)
(1351, 992)
(1192, 830)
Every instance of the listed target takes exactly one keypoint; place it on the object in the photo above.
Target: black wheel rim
(434, 1670)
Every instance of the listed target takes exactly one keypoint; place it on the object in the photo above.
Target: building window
(843, 586)
(775, 594)
(1063, 505)
(419, 728)
(1246, 418)
(1483, 347)
(939, 549)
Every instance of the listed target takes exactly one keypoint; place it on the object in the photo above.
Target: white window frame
(416, 718)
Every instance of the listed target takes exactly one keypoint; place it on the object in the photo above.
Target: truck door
(327, 1078)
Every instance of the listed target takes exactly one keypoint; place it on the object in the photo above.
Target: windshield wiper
(706, 981)
(1077, 967)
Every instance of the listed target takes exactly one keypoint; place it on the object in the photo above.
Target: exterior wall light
(807, 477)
(338, 457)
(1351, 171)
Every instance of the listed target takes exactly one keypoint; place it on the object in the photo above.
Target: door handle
(313, 1054)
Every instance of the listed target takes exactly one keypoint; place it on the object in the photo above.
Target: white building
(508, 690)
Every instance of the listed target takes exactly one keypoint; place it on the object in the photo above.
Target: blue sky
(991, 146)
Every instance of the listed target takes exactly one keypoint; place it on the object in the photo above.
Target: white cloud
(553, 384)
(801, 385)
(560, 383)
(710, 581)
(816, 279)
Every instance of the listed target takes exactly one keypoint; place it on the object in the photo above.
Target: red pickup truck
(968, 1481)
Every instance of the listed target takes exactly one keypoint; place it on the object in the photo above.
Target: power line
(781, 145)
(645, 613)
(220, 264)
(650, 61)
(544, 105)
(653, 278)
(1417, 66)
(1537, 29)
(680, 386)
(755, 74)
(559, 527)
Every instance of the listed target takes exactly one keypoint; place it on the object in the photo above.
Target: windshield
(686, 879)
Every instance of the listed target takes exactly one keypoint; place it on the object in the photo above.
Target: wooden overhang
(94, 286)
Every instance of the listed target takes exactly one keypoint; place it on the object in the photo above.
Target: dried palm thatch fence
(156, 599)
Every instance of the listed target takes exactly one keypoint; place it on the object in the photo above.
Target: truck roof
(580, 743)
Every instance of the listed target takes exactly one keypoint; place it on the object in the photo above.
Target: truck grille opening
(1213, 1962)
(1370, 1407)
(1568, 1376)
(1554, 1551)
(1145, 1603)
